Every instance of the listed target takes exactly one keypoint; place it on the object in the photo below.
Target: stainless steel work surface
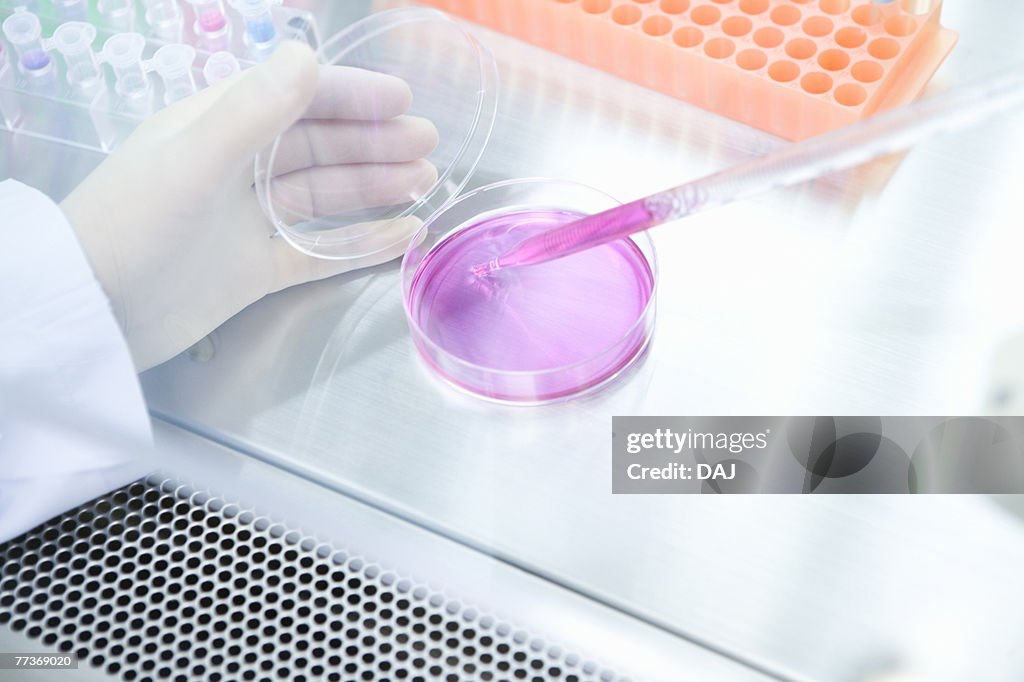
(882, 290)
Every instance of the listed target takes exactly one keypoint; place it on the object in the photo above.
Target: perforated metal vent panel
(156, 581)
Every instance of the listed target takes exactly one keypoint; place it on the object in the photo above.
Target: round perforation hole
(596, 6)
(751, 60)
(626, 15)
(801, 48)
(851, 95)
(883, 48)
(688, 36)
(769, 37)
(851, 37)
(754, 6)
(818, 26)
(736, 26)
(816, 83)
(705, 15)
(657, 26)
(785, 15)
(783, 71)
(834, 6)
(867, 71)
(719, 48)
(674, 6)
(833, 60)
(866, 15)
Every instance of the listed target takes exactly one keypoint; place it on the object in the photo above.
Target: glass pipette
(840, 149)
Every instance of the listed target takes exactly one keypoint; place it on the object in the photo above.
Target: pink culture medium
(532, 333)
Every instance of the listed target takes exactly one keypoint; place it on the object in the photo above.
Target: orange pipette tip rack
(795, 68)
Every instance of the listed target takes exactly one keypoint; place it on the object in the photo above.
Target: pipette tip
(482, 270)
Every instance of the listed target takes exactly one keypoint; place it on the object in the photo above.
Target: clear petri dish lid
(360, 178)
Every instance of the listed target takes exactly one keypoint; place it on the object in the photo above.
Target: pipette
(844, 148)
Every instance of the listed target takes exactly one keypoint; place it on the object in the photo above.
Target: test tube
(260, 32)
(123, 51)
(210, 20)
(71, 10)
(73, 39)
(165, 19)
(174, 65)
(119, 14)
(220, 66)
(24, 33)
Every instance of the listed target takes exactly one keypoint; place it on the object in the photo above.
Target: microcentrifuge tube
(220, 66)
(71, 10)
(24, 33)
(174, 65)
(210, 21)
(119, 15)
(73, 39)
(302, 29)
(260, 33)
(164, 18)
(123, 51)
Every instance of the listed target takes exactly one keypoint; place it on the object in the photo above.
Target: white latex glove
(170, 221)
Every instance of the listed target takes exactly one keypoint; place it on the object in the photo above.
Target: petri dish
(452, 83)
(533, 334)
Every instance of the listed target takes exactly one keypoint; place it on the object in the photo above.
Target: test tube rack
(99, 117)
(794, 68)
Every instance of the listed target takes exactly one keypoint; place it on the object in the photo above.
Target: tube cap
(220, 66)
(22, 27)
(174, 60)
(453, 81)
(74, 37)
(122, 50)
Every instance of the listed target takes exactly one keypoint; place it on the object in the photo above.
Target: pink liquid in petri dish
(558, 327)
(211, 21)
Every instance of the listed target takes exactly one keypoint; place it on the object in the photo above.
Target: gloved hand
(170, 221)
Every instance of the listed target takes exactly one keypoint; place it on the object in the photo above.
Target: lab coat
(73, 424)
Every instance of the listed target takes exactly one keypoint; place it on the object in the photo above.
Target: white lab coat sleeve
(73, 423)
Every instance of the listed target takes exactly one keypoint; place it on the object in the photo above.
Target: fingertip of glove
(292, 71)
